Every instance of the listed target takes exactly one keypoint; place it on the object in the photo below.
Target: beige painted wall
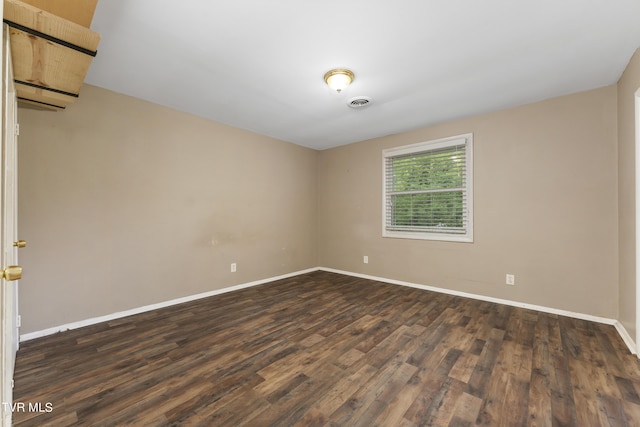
(628, 84)
(125, 203)
(545, 208)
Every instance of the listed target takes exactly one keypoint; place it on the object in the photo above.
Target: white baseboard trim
(631, 344)
(92, 321)
(120, 314)
(605, 320)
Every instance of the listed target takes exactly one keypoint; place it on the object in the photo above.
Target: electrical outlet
(366, 259)
(233, 267)
(511, 279)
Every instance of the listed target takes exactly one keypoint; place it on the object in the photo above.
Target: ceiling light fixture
(339, 78)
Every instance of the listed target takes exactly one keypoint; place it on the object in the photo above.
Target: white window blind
(427, 190)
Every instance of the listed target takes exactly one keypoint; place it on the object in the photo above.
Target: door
(637, 182)
(9, 271)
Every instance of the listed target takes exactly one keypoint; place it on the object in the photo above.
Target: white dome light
(339, 78)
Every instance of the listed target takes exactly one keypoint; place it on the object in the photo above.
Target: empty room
(328, 213)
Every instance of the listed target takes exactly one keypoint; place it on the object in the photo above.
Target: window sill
(463, 238)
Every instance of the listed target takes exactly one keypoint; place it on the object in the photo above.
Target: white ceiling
(259, 65)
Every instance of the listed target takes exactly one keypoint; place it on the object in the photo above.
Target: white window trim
(467, 139)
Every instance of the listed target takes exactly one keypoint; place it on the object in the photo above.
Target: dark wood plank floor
(322, 349)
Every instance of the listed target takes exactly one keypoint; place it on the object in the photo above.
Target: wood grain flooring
(322, 349)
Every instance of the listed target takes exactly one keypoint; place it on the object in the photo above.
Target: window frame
(425, 147)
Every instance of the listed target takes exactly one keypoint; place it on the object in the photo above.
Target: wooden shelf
(51, 55)
(78, 11)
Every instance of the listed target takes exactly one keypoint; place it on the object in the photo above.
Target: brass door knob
(20, 244)
(13, 272)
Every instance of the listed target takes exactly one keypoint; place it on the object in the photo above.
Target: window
(428, 191)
